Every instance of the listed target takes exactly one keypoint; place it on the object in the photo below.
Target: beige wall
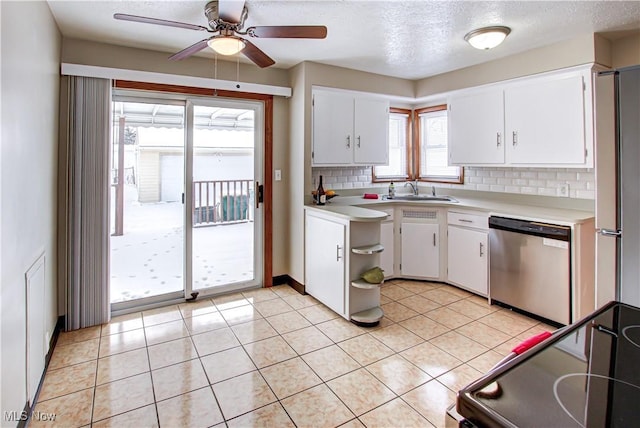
(626, 51)
(298, 129)
(100, 54)
(30, 87)
(281, 188)
(303, 77)
(586, 49)
(344, 78)
(572, 52)
(104, 55)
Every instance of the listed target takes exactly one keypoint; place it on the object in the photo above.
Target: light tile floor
(272, 357)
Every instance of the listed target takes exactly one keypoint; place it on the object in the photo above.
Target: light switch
(278, 174)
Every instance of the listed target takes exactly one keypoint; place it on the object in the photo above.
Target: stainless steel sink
(424, 198)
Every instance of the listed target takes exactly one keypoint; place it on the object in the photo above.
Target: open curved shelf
(368, 316)
(368, 249)
(361, 283)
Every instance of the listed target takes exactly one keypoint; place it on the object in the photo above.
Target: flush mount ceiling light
(226, 45)
(488, 37)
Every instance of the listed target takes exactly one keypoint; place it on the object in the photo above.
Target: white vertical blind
(85, 202)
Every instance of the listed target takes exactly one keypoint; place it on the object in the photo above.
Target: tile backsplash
(526, 181)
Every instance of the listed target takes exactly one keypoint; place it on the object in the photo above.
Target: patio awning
(172, 116)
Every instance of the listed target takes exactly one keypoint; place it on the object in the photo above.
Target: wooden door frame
(267, 100)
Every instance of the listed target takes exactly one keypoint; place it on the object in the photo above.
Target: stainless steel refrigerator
(617, 101)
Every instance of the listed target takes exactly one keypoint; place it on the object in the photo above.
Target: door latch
(610, 232)
(260, 194)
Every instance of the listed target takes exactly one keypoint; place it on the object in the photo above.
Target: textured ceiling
(408, 39)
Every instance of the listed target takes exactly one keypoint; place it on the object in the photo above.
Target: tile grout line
(153, 389)
(190, 334)
(95, 380)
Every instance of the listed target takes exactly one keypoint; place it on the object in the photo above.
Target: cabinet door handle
(348, 141)
(515, 138)
(434, 239)
(338, 256)
(358, 141)
(498, 139)
(481, 249)
(464, 220)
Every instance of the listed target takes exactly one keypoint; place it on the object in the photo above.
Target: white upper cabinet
(539, 121)
(332, 128)
(476, 128)
(349, 129)
(371, 131)
(544, 122)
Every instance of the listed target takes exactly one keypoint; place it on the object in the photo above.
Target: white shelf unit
(369, 316)
(361, 283)
(364, 297)
(369, 249)
(337, 251)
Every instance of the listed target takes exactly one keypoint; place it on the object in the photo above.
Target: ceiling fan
(227, 30)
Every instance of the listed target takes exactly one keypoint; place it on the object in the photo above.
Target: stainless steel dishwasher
(530, 267)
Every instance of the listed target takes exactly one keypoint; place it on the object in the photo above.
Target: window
(399, 148)
(421, 154)
(431, 148)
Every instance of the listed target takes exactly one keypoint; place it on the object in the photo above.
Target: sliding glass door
(147, 214)
(185, 215)
(225, 165)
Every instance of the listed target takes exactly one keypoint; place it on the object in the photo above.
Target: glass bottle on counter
(321, 197)
(392, 190)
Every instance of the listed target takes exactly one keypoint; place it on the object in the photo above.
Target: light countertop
(344, 204)
(350, 212)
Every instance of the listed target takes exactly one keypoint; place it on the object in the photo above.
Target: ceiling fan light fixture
(487, 37)
(226, 45)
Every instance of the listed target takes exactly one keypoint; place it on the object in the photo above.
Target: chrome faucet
(433, 191)
(414, 186)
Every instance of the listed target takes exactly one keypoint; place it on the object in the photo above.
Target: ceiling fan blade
(231, 10)
(260, 58)
(289, 31)
(187, 52)
(147, 20)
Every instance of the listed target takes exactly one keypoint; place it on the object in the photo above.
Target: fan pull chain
(238, 71)
(215, 71)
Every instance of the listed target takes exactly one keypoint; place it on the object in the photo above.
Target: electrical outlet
(278, 174)
(563, 190)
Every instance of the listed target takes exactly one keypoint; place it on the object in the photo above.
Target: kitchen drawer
(477, 221)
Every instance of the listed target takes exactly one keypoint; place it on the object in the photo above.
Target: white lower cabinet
(325, 261)
(420, 250)
(337, 251)
(468, 252)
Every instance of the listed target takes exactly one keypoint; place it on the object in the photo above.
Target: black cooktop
(587, 375)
